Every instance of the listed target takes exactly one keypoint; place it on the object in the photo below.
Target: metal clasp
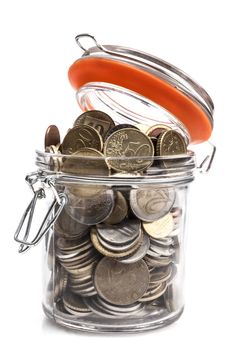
(38, 184)
(206, 164)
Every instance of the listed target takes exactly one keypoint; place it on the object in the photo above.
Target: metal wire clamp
(38, 184)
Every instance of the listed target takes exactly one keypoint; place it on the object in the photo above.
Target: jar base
(134, 325)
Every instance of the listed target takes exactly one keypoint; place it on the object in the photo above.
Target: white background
(37, 46)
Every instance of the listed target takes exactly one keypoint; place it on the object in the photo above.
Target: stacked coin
(78, 257)
(118, 247)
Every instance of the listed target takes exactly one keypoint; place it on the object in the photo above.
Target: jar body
(114, 259)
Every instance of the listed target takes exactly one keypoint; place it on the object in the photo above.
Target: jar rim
(165, 169)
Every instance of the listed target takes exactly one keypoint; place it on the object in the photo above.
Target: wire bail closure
(60, 200)
(206, 164)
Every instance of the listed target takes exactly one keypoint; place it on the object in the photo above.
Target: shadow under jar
(115, 241)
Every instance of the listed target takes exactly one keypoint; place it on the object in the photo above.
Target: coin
(52, 136)
(121, 284)
(119, 127)
(160, 228)
(156, 130)
(86, 161)
(119, 211)
(161, 274)
(154, 292)
(158, 261)
(98, 309)
(170, 143)
(91, 210)
(54, 162)
(75, 305)
(120, 309)
(100, 121)
(59, 281)
(115, 248)
(75, 190)
(113, 254)
(79, 137)
(129, 146)
(120, 234)
(66, 227)
(139, 253)
(151, 203)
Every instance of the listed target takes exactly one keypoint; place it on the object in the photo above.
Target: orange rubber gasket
(97, 69)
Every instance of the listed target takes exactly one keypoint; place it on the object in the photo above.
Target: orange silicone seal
(98, 69)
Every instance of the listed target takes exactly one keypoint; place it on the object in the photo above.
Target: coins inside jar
(121, 284)
(90, 205)
(86, 161)
(149, 203)
(117, 247)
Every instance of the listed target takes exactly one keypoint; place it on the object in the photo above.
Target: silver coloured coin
(154, 292)
(152, 203)
(157, 261)
(161, 250)
(91, 210)
(161, 274)
(68, 228)
(121, 234)
(75, 304)
(117, 248)
(163, 242)
(118, 308)
(121, 284)
(96, 308)
(139, 253)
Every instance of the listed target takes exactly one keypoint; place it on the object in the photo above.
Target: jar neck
(169, 170)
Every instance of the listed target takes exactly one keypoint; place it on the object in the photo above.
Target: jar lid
(154, 80)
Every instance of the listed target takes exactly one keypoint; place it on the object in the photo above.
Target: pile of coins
(116, 247)
(99, 147)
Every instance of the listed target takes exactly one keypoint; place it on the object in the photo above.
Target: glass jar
(115, 243)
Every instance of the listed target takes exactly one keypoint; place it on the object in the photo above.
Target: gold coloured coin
(160, 228)
(156, 130)
(133, 149)
(81, 136)
(86, 161)
(84, 191)
(170, 143)
(99, 120)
